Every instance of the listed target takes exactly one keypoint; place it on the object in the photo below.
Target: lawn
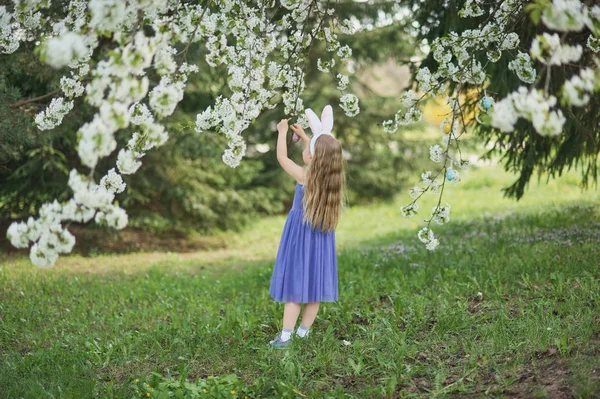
(506, 307)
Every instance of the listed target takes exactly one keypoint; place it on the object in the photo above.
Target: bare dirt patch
(545, 375)
(549, 376)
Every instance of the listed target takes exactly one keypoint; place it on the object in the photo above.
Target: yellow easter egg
(447, 127)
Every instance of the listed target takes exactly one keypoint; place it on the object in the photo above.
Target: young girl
(306, 266)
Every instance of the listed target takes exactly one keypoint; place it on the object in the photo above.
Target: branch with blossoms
(140, 37)
(457, 58)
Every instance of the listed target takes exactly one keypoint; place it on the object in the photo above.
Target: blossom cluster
(523, 68)
(532, 105)
(427, 237)
(349, 103)
(577, 90)
(548, 50)
(54, 114)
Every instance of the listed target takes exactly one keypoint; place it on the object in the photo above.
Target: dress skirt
(306, 264)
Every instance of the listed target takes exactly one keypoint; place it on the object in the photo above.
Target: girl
(306, 266)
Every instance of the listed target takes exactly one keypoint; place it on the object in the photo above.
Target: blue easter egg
(486, 102)
(450, 174)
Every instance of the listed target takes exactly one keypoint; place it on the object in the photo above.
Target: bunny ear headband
(319, 127)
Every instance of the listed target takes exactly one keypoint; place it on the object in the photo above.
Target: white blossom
(390, 126)
(231, 159)
(510, 42)
(71, 87)
(342, 81)
(113, 182)
(349, 103)
(441, 214)
(140, 114)
(408, 98)
(113, 216)
(17, 235)
(348, 27)
(165, 97)
(549, 124)
(547, 49)
(87, 193)
(425, 80)
(593, 44)
(96, 138)
(107, 15)
(471, 9)
(164, 62)
(206, 120)
(76, 212)
(415, 192)
(325, 66)
(64, 49)
(427, 178)
(427, 237)
(41, 257)
(49, 214)
(432, 244)
(54, 114)
(564, 15)
(344, 52)
(436, 153)
(576, 91)
(291, 4)
(127, 162)
(244, 40)
(409, 210)
(463, 164)
(533, 106)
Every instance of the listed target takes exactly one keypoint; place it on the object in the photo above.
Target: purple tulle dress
(306, 265)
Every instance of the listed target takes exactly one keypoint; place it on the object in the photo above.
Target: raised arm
(292, 169)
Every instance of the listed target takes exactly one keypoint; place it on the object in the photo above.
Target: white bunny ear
(313, 141)
(313, 121)
(327, 119)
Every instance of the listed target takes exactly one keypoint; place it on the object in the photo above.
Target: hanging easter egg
(450, 174)
(447, 127)
(295, 137)
(487, 103)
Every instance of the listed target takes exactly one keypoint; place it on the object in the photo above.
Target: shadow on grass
(568, 224)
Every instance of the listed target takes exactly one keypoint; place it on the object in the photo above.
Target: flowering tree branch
(492, 37)
(245, 38)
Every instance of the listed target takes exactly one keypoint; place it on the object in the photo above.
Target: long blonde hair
(324, 185)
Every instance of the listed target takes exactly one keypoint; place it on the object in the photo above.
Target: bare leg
(310, 314)
(291, 311)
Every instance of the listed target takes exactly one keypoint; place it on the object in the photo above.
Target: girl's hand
(282, 126)
(298, 130)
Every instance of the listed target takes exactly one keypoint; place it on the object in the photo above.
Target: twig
(32, 100)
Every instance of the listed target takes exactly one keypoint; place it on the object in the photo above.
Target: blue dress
(306, 264)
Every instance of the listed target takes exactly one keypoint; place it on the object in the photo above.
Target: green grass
(507, 306)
